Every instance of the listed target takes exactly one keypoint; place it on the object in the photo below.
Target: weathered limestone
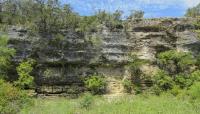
(106, 52)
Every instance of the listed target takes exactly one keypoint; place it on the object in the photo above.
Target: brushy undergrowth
(12, 99)
(140, 104)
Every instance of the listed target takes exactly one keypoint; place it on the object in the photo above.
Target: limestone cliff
(62, 63)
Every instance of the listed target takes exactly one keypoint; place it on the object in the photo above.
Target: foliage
(155, 89)
(183, 81)
(48, 73)
(197, 31)
(176, 90)
(194, 91)
(154, 28)
(3, 27)
(94, 40)
(12, 99)
(87, 101)
(128, 85)
(193, 12)
(24, 70)
(50, 17)
(127, 104)
(195, 76)
(135, 64)
(175, 74)
(175, 62)
(136, 14)
(58, 41)
(96, 84)
(43, 16)
(88, 24)
(163, 81)
(138, 89)
(136, 74)
(91, 23)
(5, 56)
(198, 61)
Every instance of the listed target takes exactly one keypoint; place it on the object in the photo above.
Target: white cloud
(151, 7)
(191, 3)
(166, 3)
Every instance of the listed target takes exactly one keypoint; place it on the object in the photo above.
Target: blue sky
(152, 8)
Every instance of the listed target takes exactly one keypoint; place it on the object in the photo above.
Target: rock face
(64, 60)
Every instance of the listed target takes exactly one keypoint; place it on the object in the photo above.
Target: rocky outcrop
(64, 61)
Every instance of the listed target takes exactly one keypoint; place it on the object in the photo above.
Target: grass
(141, 104)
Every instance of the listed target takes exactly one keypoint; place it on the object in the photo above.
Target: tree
(193, 12)
(12, 99)
(44, 16)
(25, 80)
(175, 62)
(5, 56)
(96, 84)
(136, 14)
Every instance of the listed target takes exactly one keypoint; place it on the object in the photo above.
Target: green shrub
(155, 89)
(96, 84)
(138, 89)
(136, 14)
(163, 81)
(195, 76)
(198, 57)
(3, 27)
(194, 91)
(176, 90)
(5, 56)
(128, 85)
(183, 81)
(176, 62)
(12, 99)
(87, 101)
(25, 80)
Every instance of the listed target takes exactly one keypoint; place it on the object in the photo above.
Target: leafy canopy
(24, 70)
(5, 56)
(172, 60)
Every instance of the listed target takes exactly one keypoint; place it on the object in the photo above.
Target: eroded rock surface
(62, 63)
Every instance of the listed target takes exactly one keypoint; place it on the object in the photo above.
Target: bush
(12, 99)
(5, 56)
(86, 101)
(155, 90)
(163, 81)
(136, 14)
(176, 62)
(128, 86)
(194, 91)
(138, 89)
(195, 76)
(25, 80)
(198, 57)
(96, 84)
(176, 90)
(183, 81)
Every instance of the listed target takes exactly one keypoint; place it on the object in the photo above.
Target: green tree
(194, 91)
(163, 81)
(12, 99)
(136, 14)
(96, 84)
(43, 16)
(175, 62)
(25, 80)
(5, 56)
(193, 12)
